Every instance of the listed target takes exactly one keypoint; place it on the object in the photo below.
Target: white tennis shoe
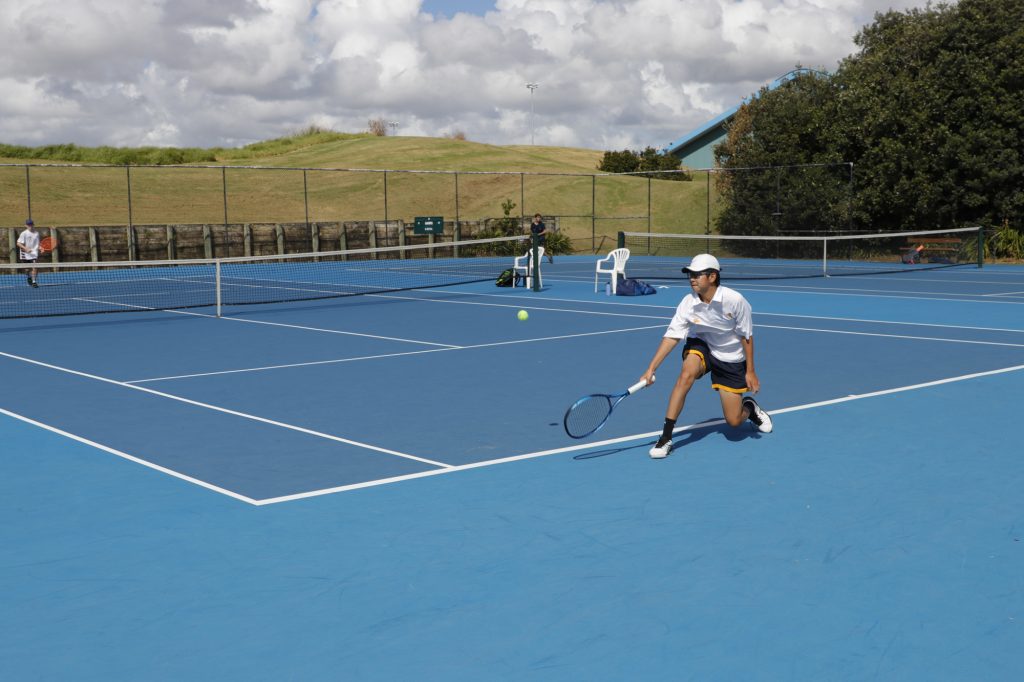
(760, 418)
(661, 451)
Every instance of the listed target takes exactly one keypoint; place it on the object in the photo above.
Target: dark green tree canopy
(649, 161)
(930, 111)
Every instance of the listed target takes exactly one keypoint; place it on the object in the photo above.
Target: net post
(216, 266)
(824, 257)
(620, 240)
(981, 247)
(535, 261)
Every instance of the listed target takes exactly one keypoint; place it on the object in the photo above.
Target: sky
(610, 74)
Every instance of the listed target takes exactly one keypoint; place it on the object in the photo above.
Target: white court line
(291, 365)
(590, 312)
(130, 458)
(626, 439)
(392, 355)
(896, 322)
(452, 468)
(225, 410)
(956, 277)
(528, 307)
(335, 331)
(673, 307)
(874, 293)
(1008, 293)
(140, 307)
(892, 336)
(920, 278)
(272, 324)
(646, 304)
(555, 338)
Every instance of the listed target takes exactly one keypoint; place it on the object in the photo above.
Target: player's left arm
(753, 383)
(745, 330)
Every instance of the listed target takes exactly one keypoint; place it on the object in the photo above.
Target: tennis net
(80, 288)
(661, 256)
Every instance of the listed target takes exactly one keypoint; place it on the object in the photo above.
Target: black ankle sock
(666, 432)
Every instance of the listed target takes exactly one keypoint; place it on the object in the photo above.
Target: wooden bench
(931, 247)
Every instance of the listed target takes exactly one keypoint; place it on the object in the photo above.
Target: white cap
(702, 262)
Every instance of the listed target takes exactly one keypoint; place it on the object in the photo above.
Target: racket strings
(587, 415)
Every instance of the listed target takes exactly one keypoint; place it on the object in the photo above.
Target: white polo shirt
(30, 242)
(721, 324)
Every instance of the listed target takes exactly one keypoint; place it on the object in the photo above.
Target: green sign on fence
(429, 225)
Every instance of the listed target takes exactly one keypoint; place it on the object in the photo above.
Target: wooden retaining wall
(173, 242)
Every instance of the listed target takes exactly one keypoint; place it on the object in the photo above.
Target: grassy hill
(328, 176)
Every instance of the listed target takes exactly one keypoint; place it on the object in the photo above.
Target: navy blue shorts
(727, 376)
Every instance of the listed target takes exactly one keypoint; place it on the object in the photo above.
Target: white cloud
(613, 73)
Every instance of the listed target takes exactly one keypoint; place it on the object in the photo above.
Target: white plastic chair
(614, 264)
(524, 263)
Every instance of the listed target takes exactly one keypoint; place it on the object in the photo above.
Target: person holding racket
(715, 322)
(28, 249)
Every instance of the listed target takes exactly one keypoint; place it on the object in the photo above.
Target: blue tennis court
(379, 487)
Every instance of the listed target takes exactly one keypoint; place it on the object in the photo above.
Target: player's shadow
(687, 438)
(733, 434)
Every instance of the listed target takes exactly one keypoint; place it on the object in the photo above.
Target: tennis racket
(588, 414)
(47, 244)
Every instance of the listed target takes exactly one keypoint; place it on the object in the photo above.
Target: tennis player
(28, 249)
(716, 323)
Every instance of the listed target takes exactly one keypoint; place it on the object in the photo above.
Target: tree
(934, 116)
(625, 161)
(930, 111)
(781, 171)
(507, 226)
(660, 166)
(650, 162)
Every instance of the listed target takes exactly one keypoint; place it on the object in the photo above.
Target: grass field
(337, 177)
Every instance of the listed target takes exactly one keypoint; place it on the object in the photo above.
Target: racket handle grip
(638, 385)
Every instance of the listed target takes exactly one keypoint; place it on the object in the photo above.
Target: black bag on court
(506, 279)
(633, 287)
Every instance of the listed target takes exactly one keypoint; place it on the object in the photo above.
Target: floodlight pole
(532, 87)
(394, 125)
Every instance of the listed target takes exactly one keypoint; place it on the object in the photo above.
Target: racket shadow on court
(609, 451)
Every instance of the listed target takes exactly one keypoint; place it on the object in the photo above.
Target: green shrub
(1007, 242)
(650, 163)
(507, 226)
(626, 161)
(557, 243)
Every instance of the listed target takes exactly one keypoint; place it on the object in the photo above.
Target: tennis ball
(523, 315)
